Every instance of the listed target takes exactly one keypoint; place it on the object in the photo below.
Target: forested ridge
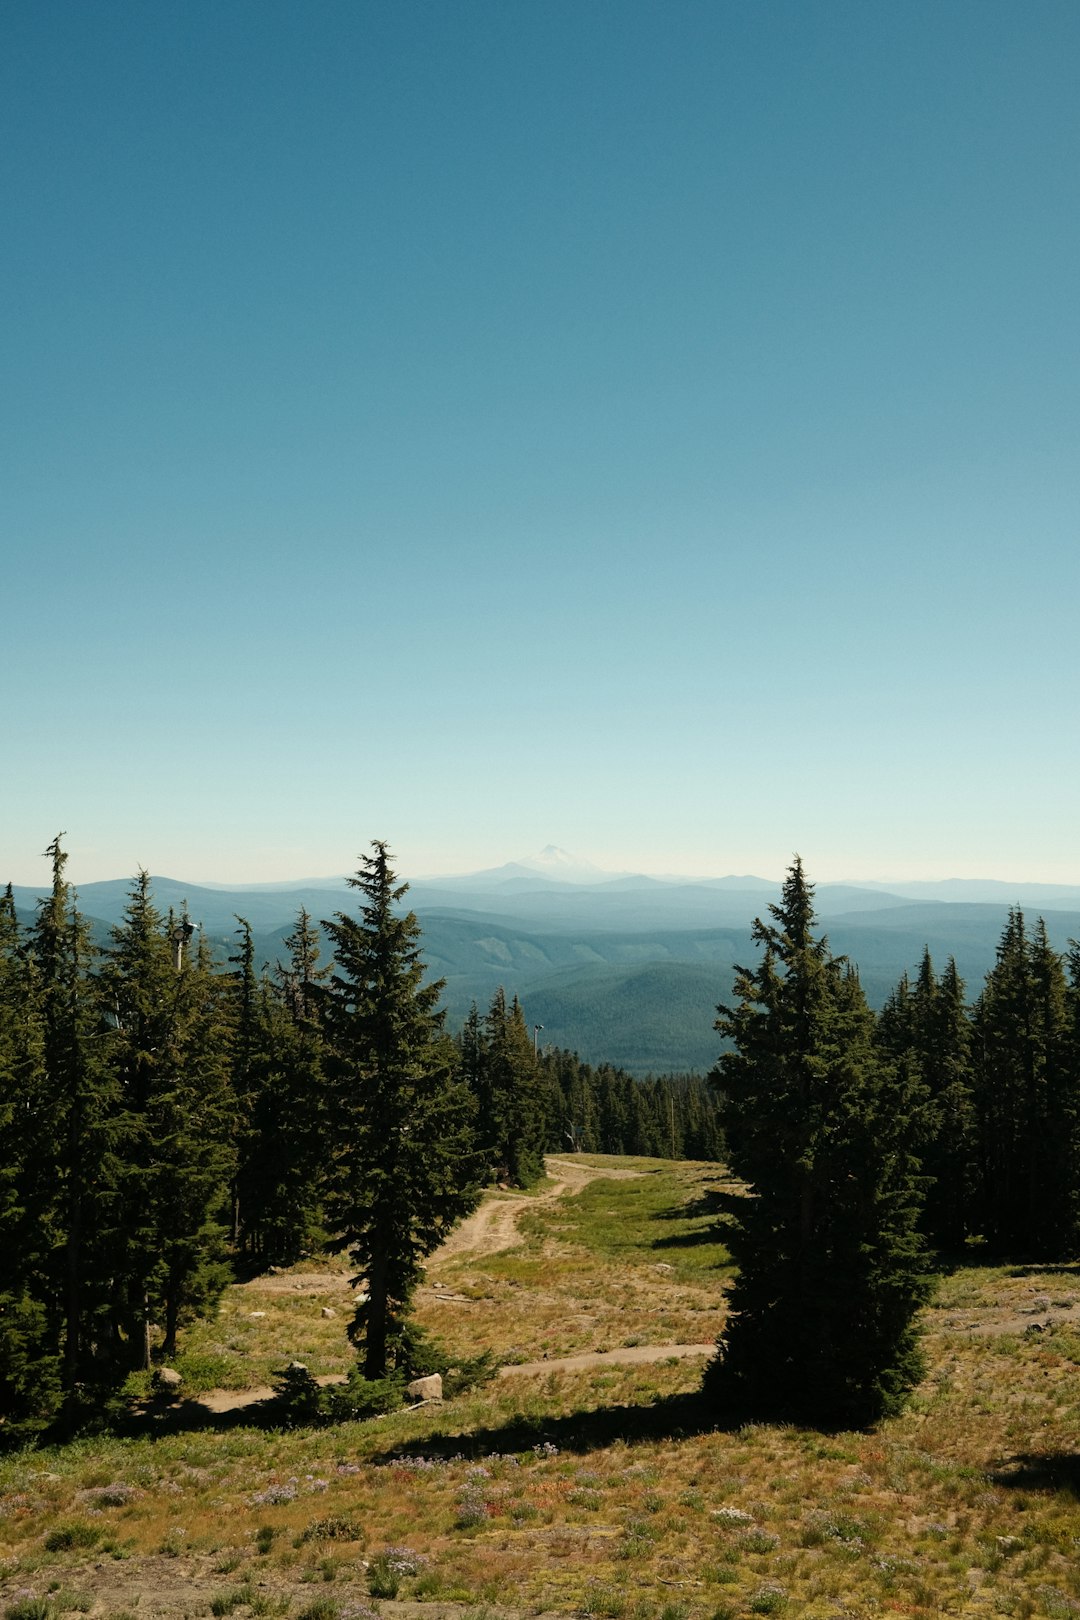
(163, 1116)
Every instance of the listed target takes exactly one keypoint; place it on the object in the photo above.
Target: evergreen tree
(1026, 1098)
(512, 1118)
(73, 1170)
(29, 1357)
(249, 1038)
(405, 1166)
(821, 1127)
(288, 1129)
(572, 1121)
(925, 1025)
(196, 1154)
(169, 1051)
(138, 985)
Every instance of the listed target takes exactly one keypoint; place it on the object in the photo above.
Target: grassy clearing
(602, 1493)
(632, 1261)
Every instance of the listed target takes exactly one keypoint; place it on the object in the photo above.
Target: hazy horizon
(38, 876)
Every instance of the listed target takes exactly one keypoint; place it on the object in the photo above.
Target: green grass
(656, 1219)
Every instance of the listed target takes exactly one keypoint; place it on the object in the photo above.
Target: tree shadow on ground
(675, 1417)
(694, 1240)
(1041, 1471)
(672, 1417)
(718, 1203)
(157, 1419)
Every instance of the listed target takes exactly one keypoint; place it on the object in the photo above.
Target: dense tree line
(870, 1144)
(532, 1101)
(161, 1114)
(1001, 1129)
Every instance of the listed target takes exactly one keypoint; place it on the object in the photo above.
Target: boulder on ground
(167, 1380)
(425, 1389)
(328, 1312)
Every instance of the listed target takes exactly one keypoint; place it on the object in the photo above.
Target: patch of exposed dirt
(988, 1322)
(628, 1355)
(171, 1588)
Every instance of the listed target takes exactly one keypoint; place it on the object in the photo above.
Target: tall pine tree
(405, 1167)
(74, 1171)
(169, 1054)
(29, 1333)
(821, 1127)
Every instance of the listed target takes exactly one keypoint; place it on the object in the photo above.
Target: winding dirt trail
(491, 1228)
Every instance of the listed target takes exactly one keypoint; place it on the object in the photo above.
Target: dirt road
(494, 1225)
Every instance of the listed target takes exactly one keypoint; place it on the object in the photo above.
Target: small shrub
(472, 1507)
(769, 1600)
(75, 1534)
(69, 1602)
(382, 1582)
(759, 1541)
(115, 1495)
(274, 1495)
(262, 1603)
(264, 1539)
(338, 1527)
(323, 1608)
(226, 1602)
(360, 1398)
(590, 1500)
(604, 1602)
(470, 1374)
(30, 1608)
(298, 1396)
(732, 1517)
(388, 1569)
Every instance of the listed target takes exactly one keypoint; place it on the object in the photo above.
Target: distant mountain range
(620, 966)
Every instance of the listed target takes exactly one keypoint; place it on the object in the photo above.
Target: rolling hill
(619, 967)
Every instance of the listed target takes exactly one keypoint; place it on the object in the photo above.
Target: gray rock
(168, 1378)
(425, 1389)
(328, 1312)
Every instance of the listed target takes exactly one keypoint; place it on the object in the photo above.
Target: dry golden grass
(605, 1492)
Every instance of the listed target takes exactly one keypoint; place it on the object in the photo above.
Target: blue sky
(650, 428)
